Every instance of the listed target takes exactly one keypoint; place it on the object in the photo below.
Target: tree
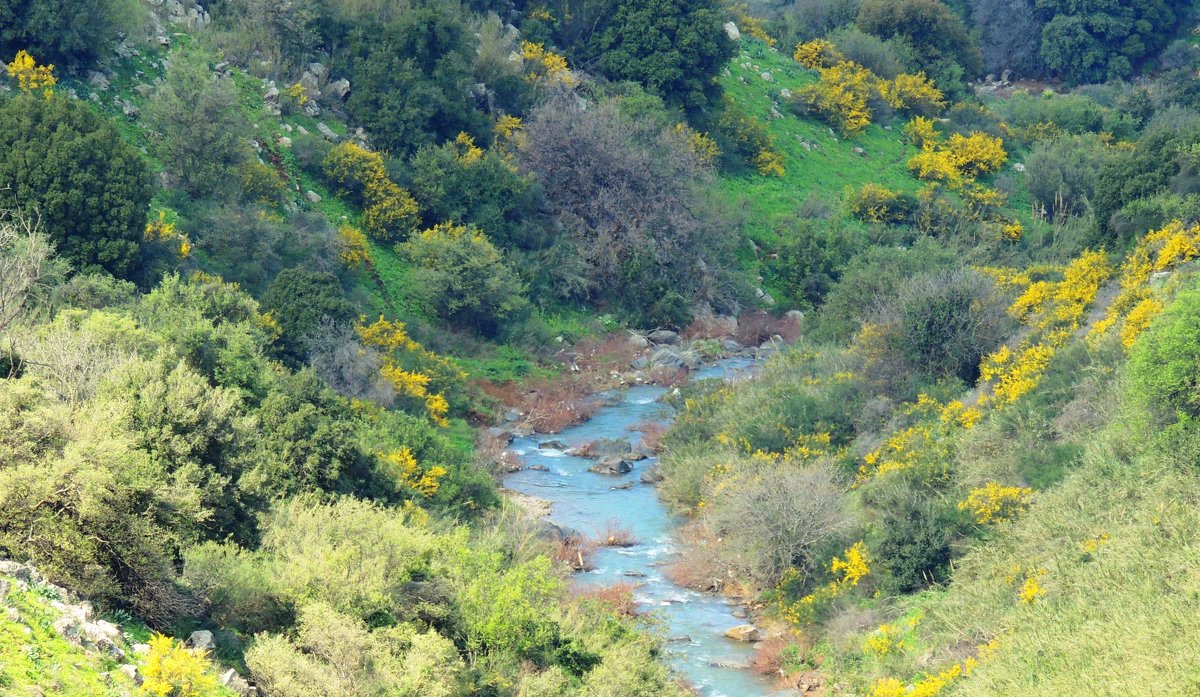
(62, 162)
(1096, 40)
(26, 258)
(937, 35)
(464, 278)
(411, 77)
(299, 299)
(1010, 35)
(199, 123)
(628, 196)
(63, 31)
(674, 47)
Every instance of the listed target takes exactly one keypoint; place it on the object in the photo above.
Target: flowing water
(585, 502)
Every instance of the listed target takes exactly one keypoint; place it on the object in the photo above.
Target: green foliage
(1094, 41)
(875, 274)
(1146, 170)
(464, 278)
(299, 300)
(195, 113)
(943, 46)
(811, 259)
(62, 162)
(64, 31)
(410, 77)
(1163, 362)
(484, 192)
(935, 327)
(916, 532)
(1061, 173)
(674, 47)
(1073, 113)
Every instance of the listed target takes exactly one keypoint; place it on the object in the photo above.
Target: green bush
(1164, 363)
(1061, 173)
(89, 187)
(64, 31)
(464, 278)
(481, 191)
(196, 113)
(300, 301)
(673, 47)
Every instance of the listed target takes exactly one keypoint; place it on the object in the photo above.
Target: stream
(584, 501)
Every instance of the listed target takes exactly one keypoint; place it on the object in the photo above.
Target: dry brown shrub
(615, 535)
(617, 597)
(757, 327)
(575, 551)
(699, 565)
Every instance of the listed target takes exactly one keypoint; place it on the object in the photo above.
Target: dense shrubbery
(626, 195)
(65, 31)
(62, 163)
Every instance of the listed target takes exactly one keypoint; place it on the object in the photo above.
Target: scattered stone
(232, 681)
(612, 466)
(667, 357)
(1019, 166)
(284, 142)
(202, 640)
(652, 475)
(860, 151)
(731, 30)
(785, 93)
(339, 89)
(744, 632)
(327, 132)
(312, 196)
(132, 673)
(98, 80)
(141, 649)
(663, 336)
(766, 76)
(638, 340)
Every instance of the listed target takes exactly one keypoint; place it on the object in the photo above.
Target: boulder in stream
(612, 466)
(744, 632)
(652, 475)
(552, 445)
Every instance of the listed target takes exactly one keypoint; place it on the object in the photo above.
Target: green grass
(826, 170)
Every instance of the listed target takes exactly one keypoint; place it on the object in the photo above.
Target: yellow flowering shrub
(912, 93)
(355, 251)
(769, 163)
(996, 503)
(297, 95)
(163, 231)
(876, 204)
(922, 132)
(701, 144)
(30, 76)
(507, 127)
(468, 152)
(388, 210)
(394, 342)
(546, 67)
(848, 570)
(976, 154)
(840, 96)
(751, 25)
(1013, 374)
(1136, 304)
(817, 54)
(931, 685)
(171, 670)
(403, 465)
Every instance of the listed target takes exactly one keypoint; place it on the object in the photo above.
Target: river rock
(552, 445)
(744, 632)
(638, 340)
(681, 639)
(740, 612)
(667, 357)
(202, 640)
(690, 359)
(609, 448)
(539, 468)
(663, 336)
(612, 466)
(652, 475)
(640, 363)
(621, 487)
